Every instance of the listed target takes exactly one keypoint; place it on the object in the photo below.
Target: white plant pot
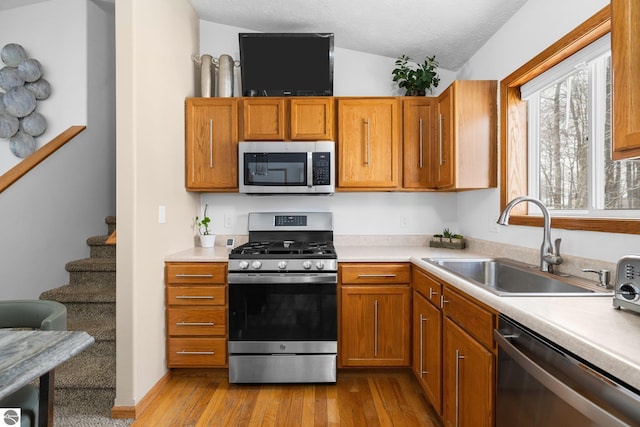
(207, 240)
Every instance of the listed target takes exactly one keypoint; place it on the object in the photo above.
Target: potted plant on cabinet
(207, 238)
(416, 81)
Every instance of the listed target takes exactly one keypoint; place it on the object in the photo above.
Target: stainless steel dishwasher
(541, 384)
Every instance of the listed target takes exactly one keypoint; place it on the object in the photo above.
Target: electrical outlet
(228, 221)
(404, 222)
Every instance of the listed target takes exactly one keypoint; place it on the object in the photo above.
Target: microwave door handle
(309, 169)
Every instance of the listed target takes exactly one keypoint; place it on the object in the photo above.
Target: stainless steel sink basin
(506, 277)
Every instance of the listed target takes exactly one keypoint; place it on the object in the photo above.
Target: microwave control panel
(321, 168)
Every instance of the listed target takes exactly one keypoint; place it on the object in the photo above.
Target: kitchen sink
(507, 277)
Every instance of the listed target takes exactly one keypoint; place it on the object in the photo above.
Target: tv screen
(286, 64)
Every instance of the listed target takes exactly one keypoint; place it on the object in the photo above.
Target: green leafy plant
(419, 80)
(446, 233)
(204, 222)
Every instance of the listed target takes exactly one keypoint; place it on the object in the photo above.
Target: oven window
(293, 312)
(275, 169)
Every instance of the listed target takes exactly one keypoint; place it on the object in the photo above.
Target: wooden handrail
(30, 162)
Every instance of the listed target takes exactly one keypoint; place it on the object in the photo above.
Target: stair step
(84, 293)
(111, 224)
(92, 270)
(89, 369)
(91, 264)
(99, 248)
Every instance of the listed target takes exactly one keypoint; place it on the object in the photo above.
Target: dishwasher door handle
(566, 393)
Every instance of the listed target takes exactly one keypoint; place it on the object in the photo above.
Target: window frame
(513, 131)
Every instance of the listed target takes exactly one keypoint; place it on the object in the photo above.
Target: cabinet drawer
(196, 273)
(196, 352)
(196, 295)
(427, 286)
(197, 321)
(474, 319)
(368, 273)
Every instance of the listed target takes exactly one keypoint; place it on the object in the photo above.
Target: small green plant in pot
(419, 80)
(207, 238)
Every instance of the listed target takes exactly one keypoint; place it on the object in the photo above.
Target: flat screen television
(286, 64)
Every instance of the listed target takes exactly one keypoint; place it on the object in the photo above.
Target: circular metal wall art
(22, 145)
(12, 54)
(23, 85)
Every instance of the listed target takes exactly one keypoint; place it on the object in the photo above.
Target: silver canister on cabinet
(205, 61)
(225, 65)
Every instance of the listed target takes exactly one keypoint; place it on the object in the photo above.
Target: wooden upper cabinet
(466, 147)
(419, 123)
(443, 160)
(211, 144)
(311, 119)
(625, 53)
(263, 119)
(368, 143)
(280, 119)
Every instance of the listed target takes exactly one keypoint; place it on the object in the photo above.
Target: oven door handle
(562, 390)
(283, 278)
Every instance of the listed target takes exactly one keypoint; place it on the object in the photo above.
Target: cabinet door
(468, 380)
(211, 146)
(368, 143)
(444, 158)
(311, 119)
(419, 125)
(625, 53)
(375, 326)
(427, 349)
(263, 119)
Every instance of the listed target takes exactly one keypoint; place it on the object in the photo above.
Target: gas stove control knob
(256, 265)
(282, 265)
(319, 265)
(243, 265)
(306, 265)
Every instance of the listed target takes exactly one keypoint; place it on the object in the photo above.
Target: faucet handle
(603, 276)
(556, 247)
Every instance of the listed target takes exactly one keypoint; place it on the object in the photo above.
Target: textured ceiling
(453, 30)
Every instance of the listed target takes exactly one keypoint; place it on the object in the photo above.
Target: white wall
(48, 214)
(62, 52)
(154, 43)
(528, 33)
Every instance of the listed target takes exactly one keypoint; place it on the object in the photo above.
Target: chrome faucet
(549, 254)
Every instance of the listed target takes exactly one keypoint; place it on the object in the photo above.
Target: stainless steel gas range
(283, 300)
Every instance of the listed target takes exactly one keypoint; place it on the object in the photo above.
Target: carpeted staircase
(85, 385)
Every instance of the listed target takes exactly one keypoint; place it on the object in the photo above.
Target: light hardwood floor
(359, 398)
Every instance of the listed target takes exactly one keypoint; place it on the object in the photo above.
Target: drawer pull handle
(195, 323)
(195, 275)
(363, 276)
(195, 297)
(207, 353)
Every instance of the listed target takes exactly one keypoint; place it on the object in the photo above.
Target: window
(581, 197)
(569, 136)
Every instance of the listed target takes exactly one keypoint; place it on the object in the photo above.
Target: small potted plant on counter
(207, 238)
(447, 240)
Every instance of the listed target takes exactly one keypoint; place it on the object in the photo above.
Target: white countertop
(587, 326)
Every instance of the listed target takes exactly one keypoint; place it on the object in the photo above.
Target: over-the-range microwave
(286, 167)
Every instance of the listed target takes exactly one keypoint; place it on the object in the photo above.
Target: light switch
(162, 214)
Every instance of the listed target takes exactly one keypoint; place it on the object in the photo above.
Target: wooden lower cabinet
(454, 354)
(375, 308)
(468, 380)
(196, 315)
(427, 348)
